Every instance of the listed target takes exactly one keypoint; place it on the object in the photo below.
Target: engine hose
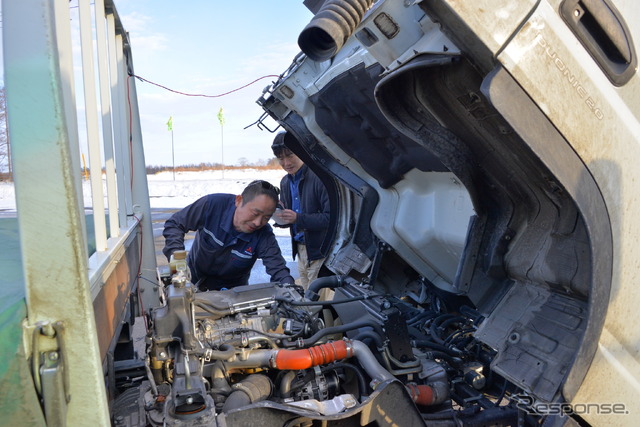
(423, 316)
(323, 303)
(312, 356)
(427, 395)
(458, 319)
(336, 330)
(221, 307)
(285, 383)
(330, 28)
(331, 282)
(226, 352)
(327, 353)
(362, 385)
(211, 309)
(370, 364)
(376, 338)
(452, 360)
(254, 388)
(499, 415)
(219, 382)
(436, 346)
(435, 325)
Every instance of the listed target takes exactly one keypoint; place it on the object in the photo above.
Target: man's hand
(287, 216)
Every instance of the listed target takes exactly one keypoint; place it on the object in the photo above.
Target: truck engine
(276, 355)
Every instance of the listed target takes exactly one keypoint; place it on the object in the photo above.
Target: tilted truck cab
(481, 164)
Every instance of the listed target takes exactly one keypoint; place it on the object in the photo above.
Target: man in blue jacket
(231, 233)
(306, 210)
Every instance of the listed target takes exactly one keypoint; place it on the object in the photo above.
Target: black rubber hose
(455, 361)
(226, 352)
(435, 346)
(377, 339)
(362, 384)
(323, 303)
(336, 330)
(330, 282)
(435, 325)
(211, 309)
(237, 399)
(330, 28)
(497, 415)
(458, 319)
(254, 388)
(421, 317)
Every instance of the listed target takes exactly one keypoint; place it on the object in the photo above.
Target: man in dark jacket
(232, 232)
(306, 210)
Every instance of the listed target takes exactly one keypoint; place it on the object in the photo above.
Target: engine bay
(274, 353)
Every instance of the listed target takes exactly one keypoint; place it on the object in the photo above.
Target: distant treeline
(152, 169)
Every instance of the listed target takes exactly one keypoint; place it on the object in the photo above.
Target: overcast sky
(208, 47)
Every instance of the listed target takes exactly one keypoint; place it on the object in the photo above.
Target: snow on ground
(7, 196)
(169, 191)
(164, 192)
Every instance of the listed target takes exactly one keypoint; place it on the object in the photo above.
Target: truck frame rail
(75, 302)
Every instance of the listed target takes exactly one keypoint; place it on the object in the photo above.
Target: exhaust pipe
(327, 32)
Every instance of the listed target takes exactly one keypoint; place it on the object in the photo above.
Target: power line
(202, 95)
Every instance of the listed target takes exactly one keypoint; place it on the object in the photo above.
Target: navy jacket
(314, 219)
(220, 254)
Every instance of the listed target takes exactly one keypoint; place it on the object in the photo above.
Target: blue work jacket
(221, 256)
(313, 221)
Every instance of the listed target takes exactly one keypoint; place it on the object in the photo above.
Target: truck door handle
(603, 32)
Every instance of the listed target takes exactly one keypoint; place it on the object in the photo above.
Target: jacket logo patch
(241, 255)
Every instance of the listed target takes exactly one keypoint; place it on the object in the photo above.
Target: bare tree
(5, 151)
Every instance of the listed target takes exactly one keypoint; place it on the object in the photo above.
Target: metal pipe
(152, 381)
(285, 383)
(370, 364)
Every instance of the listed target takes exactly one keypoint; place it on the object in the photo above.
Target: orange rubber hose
(313, 356)
(421, 394)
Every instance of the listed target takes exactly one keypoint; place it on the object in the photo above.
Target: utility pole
(173, 158)
(221, 120)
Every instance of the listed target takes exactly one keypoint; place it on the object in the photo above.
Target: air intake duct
(323, 37)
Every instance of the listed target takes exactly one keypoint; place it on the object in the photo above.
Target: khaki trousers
(309, 272)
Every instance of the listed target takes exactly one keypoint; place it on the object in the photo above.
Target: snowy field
(164, 192)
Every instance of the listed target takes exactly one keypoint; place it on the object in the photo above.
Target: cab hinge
(49, 370)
